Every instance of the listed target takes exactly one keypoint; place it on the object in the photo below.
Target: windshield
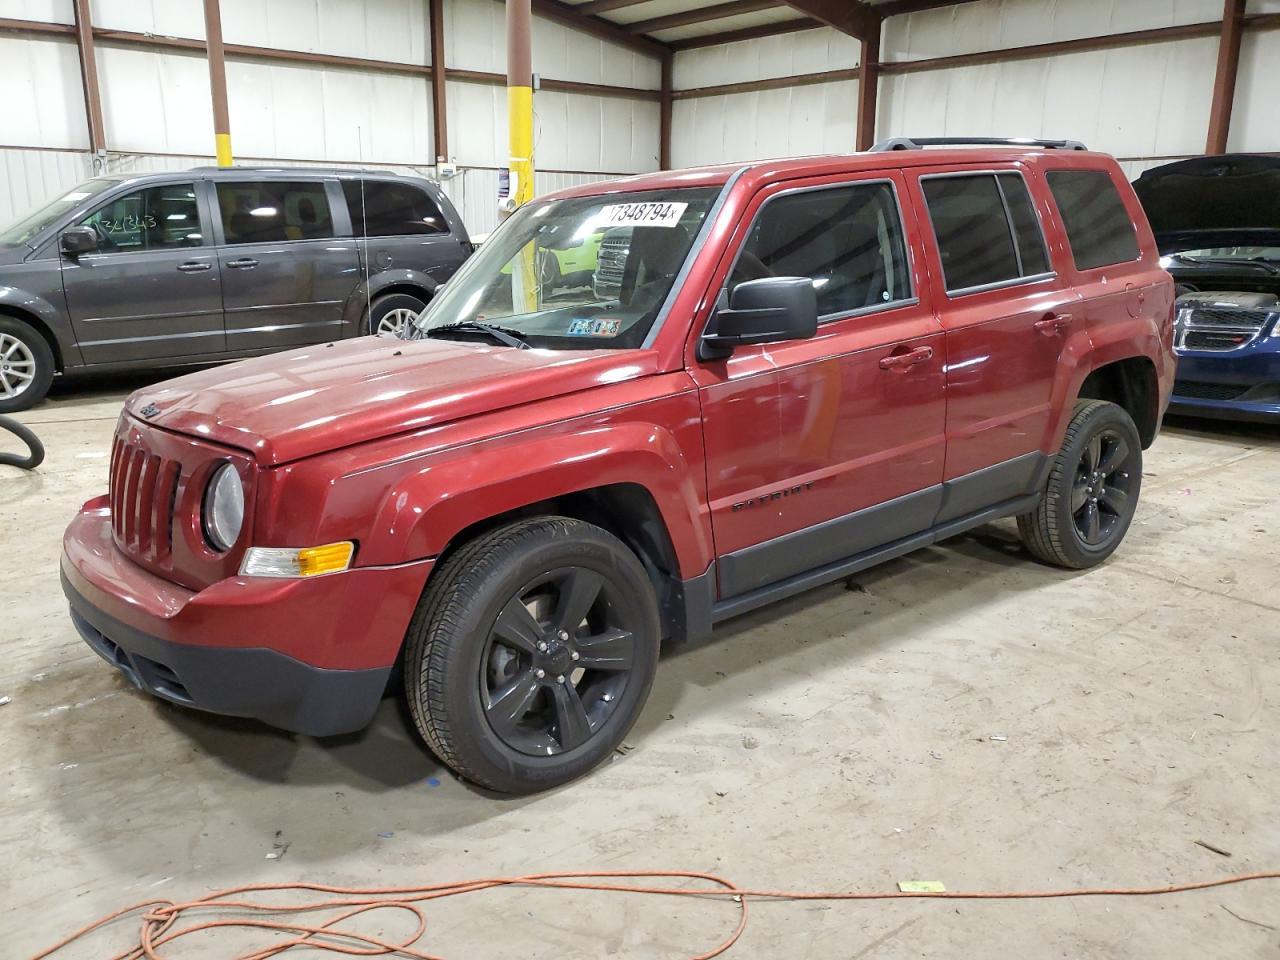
(587, 272)
(24, 230)
(1270, 254)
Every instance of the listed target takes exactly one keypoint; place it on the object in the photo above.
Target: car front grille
(144, 487)
(1219, 328)
(1194, 390)
(611, 261)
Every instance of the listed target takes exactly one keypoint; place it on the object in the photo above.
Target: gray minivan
(215, 264)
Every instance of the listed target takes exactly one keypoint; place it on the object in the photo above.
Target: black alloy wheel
(557, 662)
(1091, 492)
(1104, 481)
(532, 653)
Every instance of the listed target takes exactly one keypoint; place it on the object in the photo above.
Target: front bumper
(1231, 385)
(312, 656)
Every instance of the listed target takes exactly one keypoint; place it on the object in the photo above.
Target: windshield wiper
(504, 335)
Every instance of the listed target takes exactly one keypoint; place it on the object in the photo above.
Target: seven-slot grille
(143, 489)
(1218, 328)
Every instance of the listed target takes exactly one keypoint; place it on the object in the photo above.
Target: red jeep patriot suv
(807, 367)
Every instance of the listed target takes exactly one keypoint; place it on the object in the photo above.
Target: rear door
(288, 261)
(825, 448)
(402, 226)
(152, 289)
(1007, 316)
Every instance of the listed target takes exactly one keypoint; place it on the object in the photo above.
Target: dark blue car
(1217, 223)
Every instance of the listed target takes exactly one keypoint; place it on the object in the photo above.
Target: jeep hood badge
(150, 410)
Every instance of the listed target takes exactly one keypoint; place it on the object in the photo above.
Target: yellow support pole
(520, 140)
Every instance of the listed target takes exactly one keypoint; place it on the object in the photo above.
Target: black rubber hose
(32, 460)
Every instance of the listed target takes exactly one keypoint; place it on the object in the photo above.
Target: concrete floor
(839, 740)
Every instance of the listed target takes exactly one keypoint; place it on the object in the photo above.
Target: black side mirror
(762, 311)
(77, 240)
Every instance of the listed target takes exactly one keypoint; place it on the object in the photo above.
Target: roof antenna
(363, 248)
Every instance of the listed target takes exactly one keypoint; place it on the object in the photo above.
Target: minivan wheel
(388, 316)
(1092, 491)
(26, 366)
(532, 653)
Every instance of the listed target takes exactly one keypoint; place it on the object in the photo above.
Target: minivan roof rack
(276, 168)
(917, 143)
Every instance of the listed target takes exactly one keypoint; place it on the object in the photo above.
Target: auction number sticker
(656, 214)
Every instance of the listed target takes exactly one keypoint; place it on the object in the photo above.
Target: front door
(821, 449)
(152, 289)
(1007, 316)
(287, 269)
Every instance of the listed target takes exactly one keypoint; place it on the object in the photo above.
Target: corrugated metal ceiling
(636, 16)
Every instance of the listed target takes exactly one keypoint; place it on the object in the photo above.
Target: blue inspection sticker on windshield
(598, 327)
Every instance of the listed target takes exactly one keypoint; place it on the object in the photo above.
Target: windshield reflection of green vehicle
(566, 268)
(577, 272)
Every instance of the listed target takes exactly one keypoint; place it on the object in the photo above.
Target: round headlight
(224, 508)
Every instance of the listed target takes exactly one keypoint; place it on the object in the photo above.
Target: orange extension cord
(160, 922)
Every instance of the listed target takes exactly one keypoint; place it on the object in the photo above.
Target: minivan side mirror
(768, 310)
(77, 240)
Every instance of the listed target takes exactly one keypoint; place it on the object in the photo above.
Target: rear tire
(532, 653)
(1092, 490)
(389, 315)
(26, 365)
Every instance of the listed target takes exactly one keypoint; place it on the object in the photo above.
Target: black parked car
(215, 264)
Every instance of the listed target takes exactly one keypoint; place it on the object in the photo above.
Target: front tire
(1092, 491)
(26, 366)
(532, 653)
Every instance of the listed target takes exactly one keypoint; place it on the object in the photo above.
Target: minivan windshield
(26, 229)
(580, 273)
(1265, 254)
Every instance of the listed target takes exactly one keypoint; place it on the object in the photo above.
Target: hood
(13, 253)
(292, 405)
(1231, 200)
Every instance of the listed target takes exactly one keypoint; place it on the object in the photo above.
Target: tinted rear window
(384, 209)
(272, 211)
(1026, 225)
(974, 239)
(1097, 223)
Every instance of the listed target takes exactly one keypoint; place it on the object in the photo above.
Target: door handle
(194, 266)
(1053, 323)
(904, 361)
(244, 263)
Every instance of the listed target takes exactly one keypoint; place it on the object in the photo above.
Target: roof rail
(917, 143)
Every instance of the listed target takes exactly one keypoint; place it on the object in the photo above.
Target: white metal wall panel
(1133, 102)
(171, 18)
(373, 29)
(155, 102)
(1255, 117)
(475, 39)
(475, 193)
(280, 110)
(43, 105)
(50, 11)
(996, 24)
(799, 121)
(808, 51)
(29, 178)
(571, 131)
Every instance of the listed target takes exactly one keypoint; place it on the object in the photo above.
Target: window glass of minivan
(43, 217)
(973, 232)
(152, 219)
(384, 209)
(1098, 226)
(272, 211)
(1026, 225)
(627, 249)
(847, 240)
